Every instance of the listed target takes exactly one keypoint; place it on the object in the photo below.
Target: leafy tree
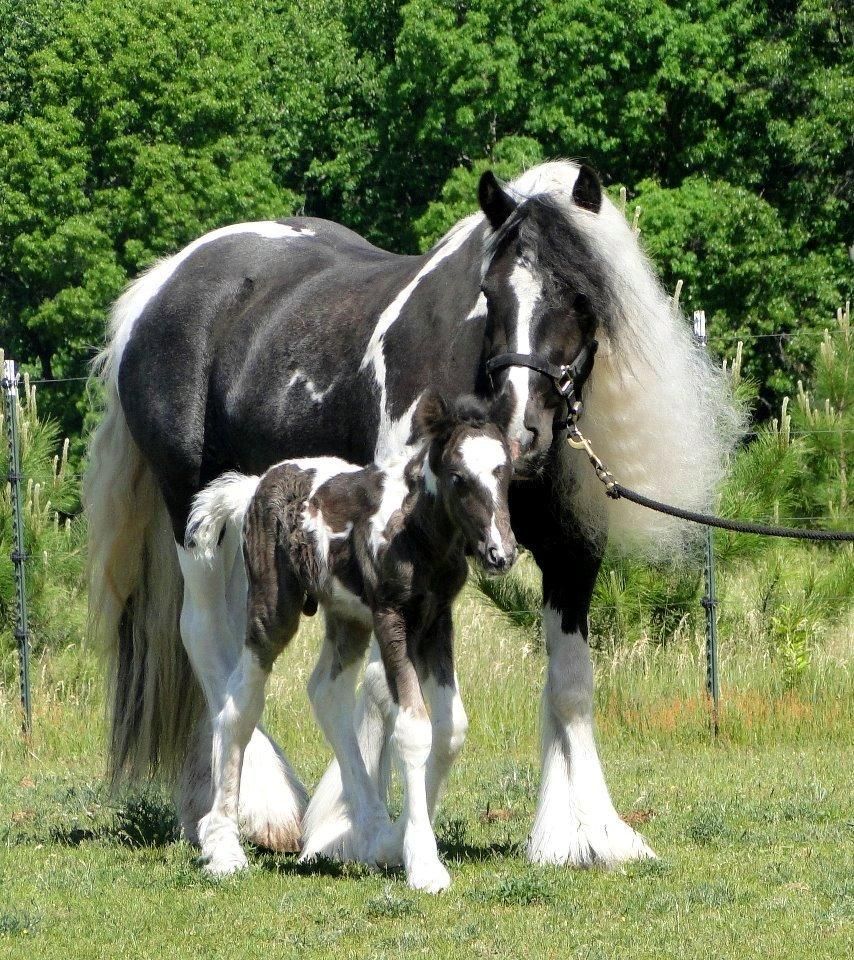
(139, 131)
(458, 197)
(754, 276)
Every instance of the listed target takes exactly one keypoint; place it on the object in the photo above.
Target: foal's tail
(135, 593)
(223, 502)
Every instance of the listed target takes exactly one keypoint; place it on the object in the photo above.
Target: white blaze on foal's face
(482, 456)
(482, 491)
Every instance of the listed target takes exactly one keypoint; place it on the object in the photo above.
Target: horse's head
(467, 467)
(542, 305)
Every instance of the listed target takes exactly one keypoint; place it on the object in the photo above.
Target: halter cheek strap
(567, 379)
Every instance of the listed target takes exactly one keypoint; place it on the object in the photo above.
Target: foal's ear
(587, 190)
(494, 200)
(431, 418)
(501, 411)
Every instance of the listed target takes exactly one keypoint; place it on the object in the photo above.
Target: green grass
(755, 831)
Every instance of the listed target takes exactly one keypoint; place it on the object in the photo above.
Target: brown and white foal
(380, 548)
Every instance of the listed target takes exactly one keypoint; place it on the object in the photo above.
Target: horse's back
(226, 350)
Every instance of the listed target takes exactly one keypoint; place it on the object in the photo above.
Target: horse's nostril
(529, 440)
(495, 558)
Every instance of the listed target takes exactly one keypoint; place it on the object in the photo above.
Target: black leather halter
(567, 379)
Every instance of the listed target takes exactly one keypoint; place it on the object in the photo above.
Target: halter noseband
(567, 379)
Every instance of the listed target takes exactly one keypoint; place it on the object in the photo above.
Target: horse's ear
(494, 200)
(587, 190)
(431, 417)
(501, 410)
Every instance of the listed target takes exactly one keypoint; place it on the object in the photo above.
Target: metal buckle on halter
(565, 385)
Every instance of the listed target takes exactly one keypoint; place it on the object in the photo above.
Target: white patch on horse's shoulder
(479, 310)
(138, 295)
(374, 354)
(393, 493)
(482, 456)
(394, 434)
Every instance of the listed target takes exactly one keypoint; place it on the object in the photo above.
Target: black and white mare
(295, 338)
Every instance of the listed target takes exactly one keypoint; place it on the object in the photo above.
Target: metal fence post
(709, 601)
(10, 392)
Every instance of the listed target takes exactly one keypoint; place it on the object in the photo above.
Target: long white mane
(656, 410)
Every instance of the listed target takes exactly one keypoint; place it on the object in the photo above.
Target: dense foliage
(128, 129)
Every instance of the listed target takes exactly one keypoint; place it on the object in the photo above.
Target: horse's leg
(362, 829)
(241, 710)
(576, 822)
(448, 716)
(274, 797)
(273, 612)
(412, 739)
(213, 652)
(327, 823)
(327, 815)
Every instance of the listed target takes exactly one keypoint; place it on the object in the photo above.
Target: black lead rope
(617, 491)
(737, 526)
(568, 381)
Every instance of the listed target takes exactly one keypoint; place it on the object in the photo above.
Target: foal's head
(467, 468)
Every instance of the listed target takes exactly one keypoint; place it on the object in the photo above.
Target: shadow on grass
(87, 813)
(287, 864)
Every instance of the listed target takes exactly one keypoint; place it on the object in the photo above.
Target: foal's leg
(449, 721)
(272, 798)
(412, 738)
(273, 611)
(327, 822)
(362, 829)
(214, 607)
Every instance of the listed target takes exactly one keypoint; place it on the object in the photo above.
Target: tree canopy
(128, 130)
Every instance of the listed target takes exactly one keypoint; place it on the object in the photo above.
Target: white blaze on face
(528, 291)
(482, 456)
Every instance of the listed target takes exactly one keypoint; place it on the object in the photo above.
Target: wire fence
(710, 601)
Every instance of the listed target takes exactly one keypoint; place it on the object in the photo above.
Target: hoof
(608, 843)
(428, 877)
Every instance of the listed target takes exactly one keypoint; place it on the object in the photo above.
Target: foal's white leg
(327, 825)
(272, 798)
(412, 737)
(362, 830)
(212, 629)
(450, 725)
(232, 727)
(576, 822)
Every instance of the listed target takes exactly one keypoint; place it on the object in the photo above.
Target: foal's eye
(457, 480)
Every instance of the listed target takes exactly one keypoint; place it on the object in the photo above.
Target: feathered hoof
(374, 844)
(609, 843)
(222, 853)
(225, 862)
(430, 877)
(280, 837)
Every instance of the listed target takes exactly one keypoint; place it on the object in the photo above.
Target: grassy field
(755, 831)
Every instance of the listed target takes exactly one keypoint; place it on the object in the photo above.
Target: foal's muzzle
(497, 558)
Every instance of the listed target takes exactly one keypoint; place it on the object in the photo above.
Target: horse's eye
(457, 480)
